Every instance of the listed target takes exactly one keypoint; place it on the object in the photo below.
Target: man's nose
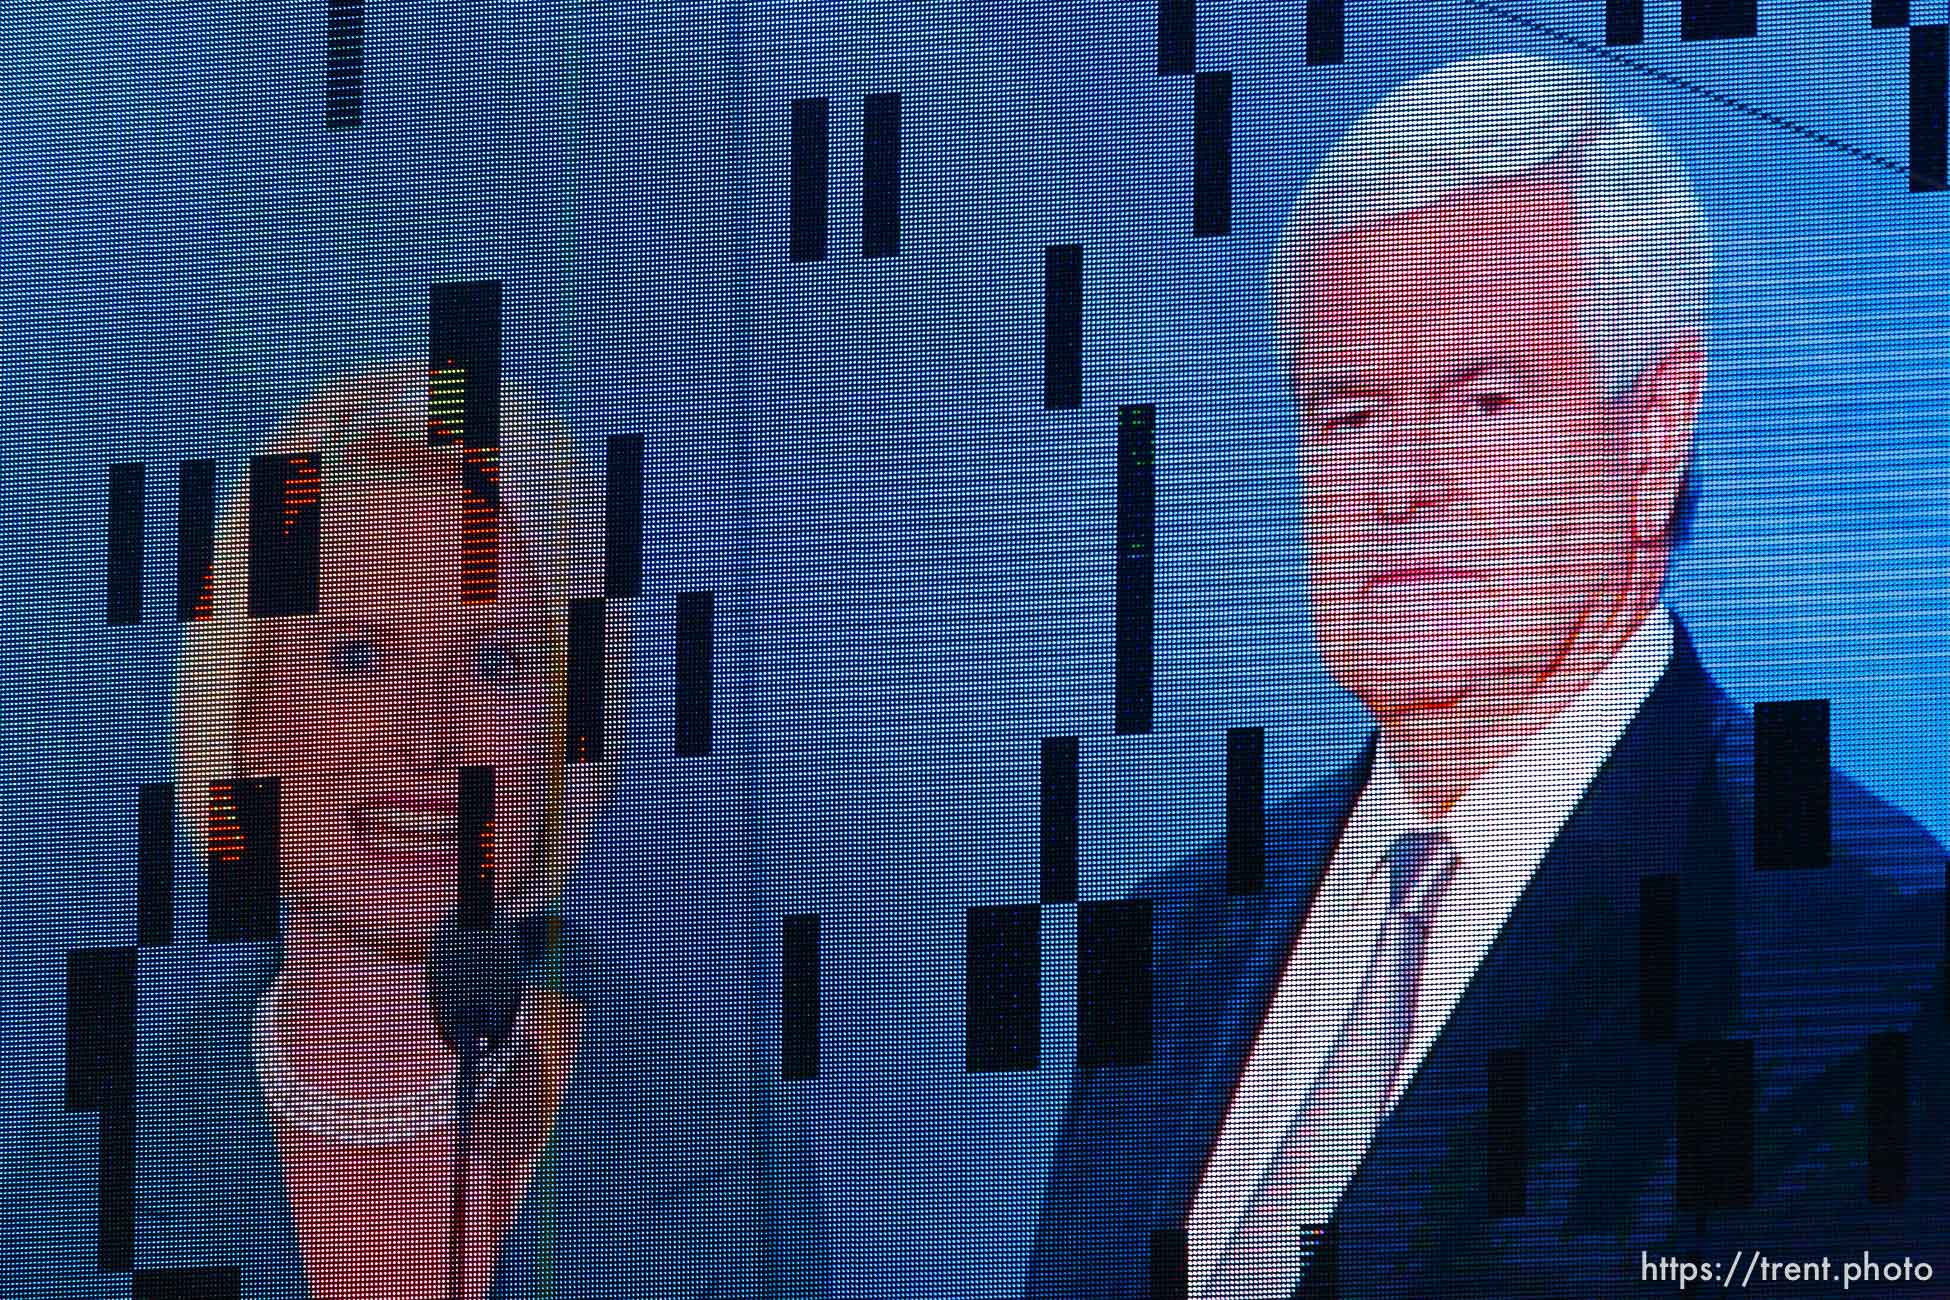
(1411, 473)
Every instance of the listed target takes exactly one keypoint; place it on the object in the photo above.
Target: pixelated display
(737, 727)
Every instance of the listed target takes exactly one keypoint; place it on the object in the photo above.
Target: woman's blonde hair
(557, 509)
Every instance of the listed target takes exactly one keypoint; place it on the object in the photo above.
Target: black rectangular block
(806, 217)
(1245, 810)
(1114, 983)
(243, 858)
(1212, 154)
(480, 524)
(1886, 1113)
(1320, 1279)
(585, 669)
(799, 999)
(345, 63)
(1791, 823)
(880, 176)
(1177, 37)
(464, 364)
(224, 1283)
(1658, 957)
(1713, 1100)
(695, 635)
(1061, 770)
(115, 1184)
(1062, 327)
(155, 864)
(1137, 495)
(1888, 13)
(1326, 40)
(100, 1044)
(623, 516)
(1170, 1264)
(196, 540)
(1003, 992)
(125, 543)
(1706, 20)
(284, 534)
(1624, 22)
(475, 905)
(1929, 107)
(1506, 1149)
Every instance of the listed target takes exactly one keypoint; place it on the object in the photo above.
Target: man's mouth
(394, 828)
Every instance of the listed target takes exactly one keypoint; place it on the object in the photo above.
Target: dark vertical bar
(694, 640)
(464, 364)
(1325, 22)
(480, 524)
(345, 63)
(806, 239)
(1707, 20)
(1624, 22)
(1003, 993)
(1791, 784)
(1658, 957)
(1212, 154)
(1929, 105)
(1171, 1271)
(475, 905)
(1114, 983)
(1177, 37)
(155, 864)
(100, 1076)
(196, 540)
(464, 410)
(880, 176)
(100, 1041)
(243, 859)
(115, 1188)
(125, 543)
(1321, 1280)
(585, 713)
(1886, 1110)
(1245, 810)
(1062, 327)
(188, 1284)
(1504, 1141)
(1888, 13)
(1713, 1099)
(623, 516)
(799, 992)
(284, 528)
(1060, 773)
(1136, 567)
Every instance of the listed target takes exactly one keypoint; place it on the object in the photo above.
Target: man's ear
(1661, 408)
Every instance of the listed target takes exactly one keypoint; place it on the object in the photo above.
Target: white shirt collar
(1511, 813)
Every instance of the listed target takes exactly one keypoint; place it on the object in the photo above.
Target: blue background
(913, 560)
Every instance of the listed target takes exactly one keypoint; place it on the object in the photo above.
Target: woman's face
(367, 711)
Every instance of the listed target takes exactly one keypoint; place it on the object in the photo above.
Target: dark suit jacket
(673, 1171)
(1802, 964)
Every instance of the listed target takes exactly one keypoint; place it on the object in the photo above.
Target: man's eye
(1336, 419)
(355, 656)
(1489, 403)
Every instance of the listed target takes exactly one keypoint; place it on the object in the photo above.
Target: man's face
(1468, 497)
(367, 711)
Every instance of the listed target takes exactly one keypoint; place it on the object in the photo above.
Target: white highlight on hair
(1642, 240)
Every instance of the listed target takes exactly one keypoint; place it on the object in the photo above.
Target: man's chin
(1405, 689)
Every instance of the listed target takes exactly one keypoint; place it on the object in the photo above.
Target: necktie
(1271, 1243)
